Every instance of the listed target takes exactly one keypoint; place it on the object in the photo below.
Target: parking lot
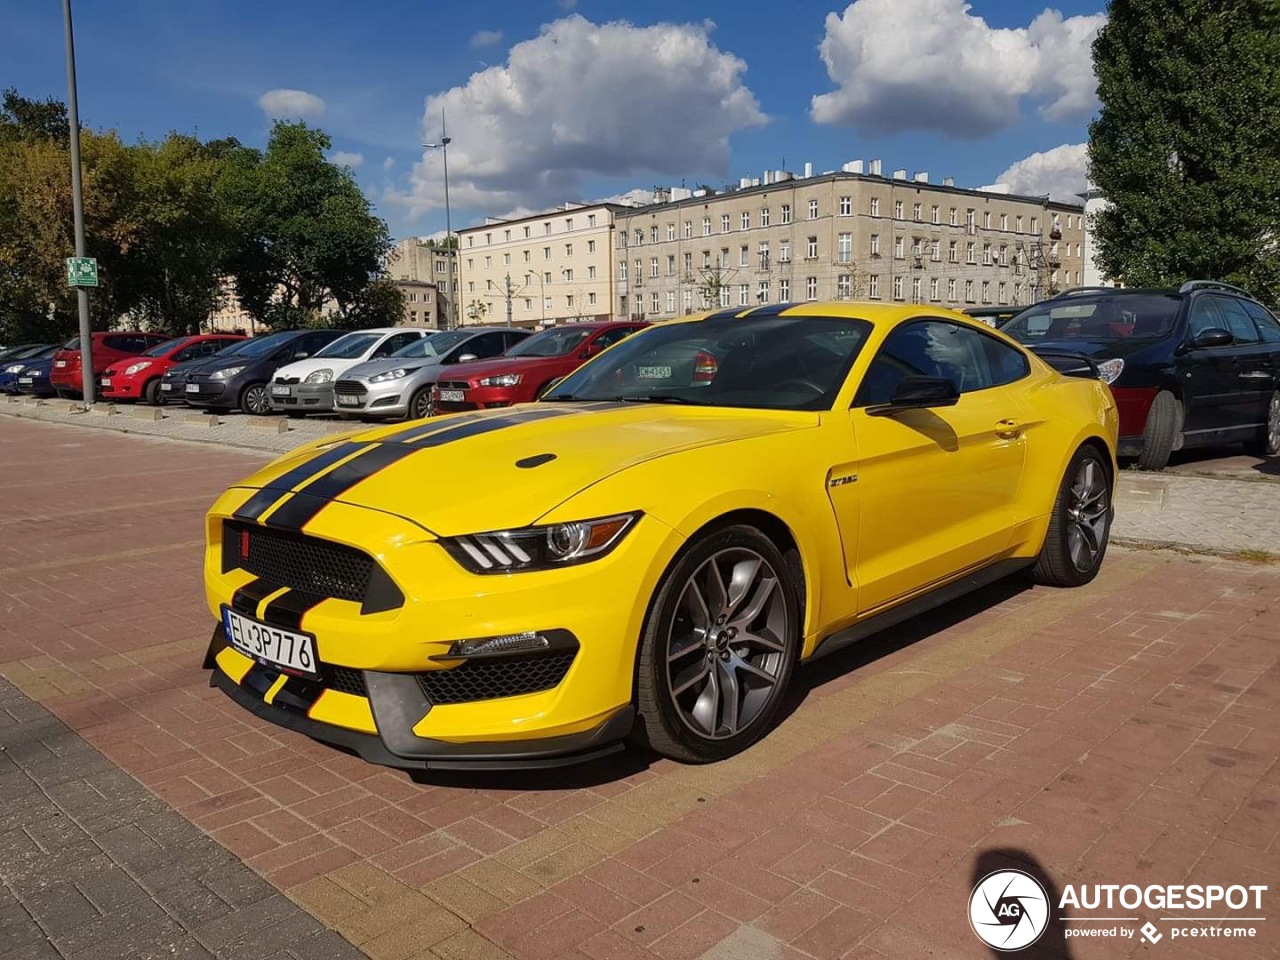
(1123, 733)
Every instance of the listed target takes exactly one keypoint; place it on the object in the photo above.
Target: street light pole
(443, 147)
(77, 208)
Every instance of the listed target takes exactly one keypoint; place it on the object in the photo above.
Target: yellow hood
(497, 469)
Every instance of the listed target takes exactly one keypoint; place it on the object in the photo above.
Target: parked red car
(520, 374)
(107, 349)
(138, 378)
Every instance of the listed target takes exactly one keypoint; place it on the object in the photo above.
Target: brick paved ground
(1125, 732)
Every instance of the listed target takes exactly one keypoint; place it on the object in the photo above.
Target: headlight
(16, 368)
(319, 376)
(226, 374)
(540, 548)
(1111, 370)
(133, 368)
(395, 374)
(502, 380)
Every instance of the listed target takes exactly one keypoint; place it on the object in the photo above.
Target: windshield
(234, 347)
(1127, 316)
(436, 345)
(769, 363)
(43, 354)
(549, 343)
(351, 346)
(72, 344)
(261, 346)
(160, 349)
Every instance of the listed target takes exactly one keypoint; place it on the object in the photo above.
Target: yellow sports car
(647, 552)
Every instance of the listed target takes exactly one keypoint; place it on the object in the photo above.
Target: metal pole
(77, 207)
(508, 299)
(448, 222)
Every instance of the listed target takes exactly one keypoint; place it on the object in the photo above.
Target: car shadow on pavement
(1052, 944)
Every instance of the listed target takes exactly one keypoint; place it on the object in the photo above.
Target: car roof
(869, 310)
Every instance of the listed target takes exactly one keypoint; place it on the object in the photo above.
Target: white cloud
(580, 100)
(388, 163)
(486, 38)
(932, 65)
(566, 4)
(1059, 172)
(290, 104)
(344, 159)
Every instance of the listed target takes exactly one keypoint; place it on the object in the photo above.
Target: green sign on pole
(82, 272)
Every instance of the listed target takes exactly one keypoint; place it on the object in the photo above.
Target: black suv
(1190, 367)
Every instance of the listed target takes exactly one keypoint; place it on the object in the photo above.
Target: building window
(986, 254)
(526, 231)
(762, 291)
(874, 207)
(811, 288)
(568, 223)
(706, 259)
(1017, 292)
(488, 262)
(591, 246)
(724, 295)
(951, 290)
(898, 248)
(671, 301)
(591, 298)
(688, 263)
(671, 264)
(955, 214)
(846, 206)
(1002, 292)
(546, 228)
(568, 275)
(786, 213)
(986, 220)
(970, 255)
(986, 291)
(568, 301)
(915, 212)
(622, 304)
(784, 291)
(471, 263)
(745, 220)
(844, 248)
(639, 238)
(471, 241)
(784, 251)
(568, 249)
(488, 284)
(706, 226)
(764, 216)
(915, 289)
(1035, 224)
(653, 302)
(935, 250)
(622, 270)
(688, 301)
(591, 273)
(763, 254)
(744, 294)
(935, 214)
(968, 291)
(546, 253)
(413, 316)
(488, 239)
(687, 229)
(811, 250)
(591, 219)
(898, 287)
(970, 221)
(1004, 254)
(1004, 221)
(653, 266)
(744, 256)
(653, 233)
(506, 259)
(813, 209)
(844, 287)
(671, 235)
(724, 223)
(546, 277)
(953, 252)
(873, 286)
(897, 209)
(933, 289)
(1018, 224)
(875, 245)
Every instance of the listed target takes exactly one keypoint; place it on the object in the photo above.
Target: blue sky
(582, 111)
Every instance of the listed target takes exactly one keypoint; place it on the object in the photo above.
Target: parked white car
(306, 386)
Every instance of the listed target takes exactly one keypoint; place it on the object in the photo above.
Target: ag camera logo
(1008, 910)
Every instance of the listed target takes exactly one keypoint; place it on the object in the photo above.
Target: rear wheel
(719, 646)
(1080, 526)
(421, 405)
(254, 400)
(1269, 445)
(151, 392)
(1164, 426)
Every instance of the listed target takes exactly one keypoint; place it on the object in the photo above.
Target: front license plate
(295, 652)
(106, 381)
(59, 363)
(166, 387)
(193, 388)
(25, 381)
(654, 373)
(451, 396)
(281, 391)
(348, 401)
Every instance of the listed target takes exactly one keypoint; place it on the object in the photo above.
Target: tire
(421, 405)
(1080, 525)
(1164, 427)
(151, 392)
(1269, 445)
(254, 400)
(680, 715)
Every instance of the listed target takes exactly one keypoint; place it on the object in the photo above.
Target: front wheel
(1080, 526)
(151, 393)
(1160, 435)
(719, 645)
(421, 405)
(254, 400)
(1269, 445)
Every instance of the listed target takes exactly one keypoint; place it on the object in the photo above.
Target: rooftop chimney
(922, 176)
(948, 181)
(899, 174)
(853, 166)
(875, 168)
(808, 169)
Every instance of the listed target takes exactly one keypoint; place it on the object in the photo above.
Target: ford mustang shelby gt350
(647, 552)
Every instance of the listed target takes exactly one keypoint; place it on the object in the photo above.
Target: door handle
(1255, 375)
(1008, 429)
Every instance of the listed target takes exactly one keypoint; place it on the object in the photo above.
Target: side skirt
(921, 604)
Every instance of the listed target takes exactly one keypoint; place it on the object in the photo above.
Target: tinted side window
(122, 343)
(511, 338)
(1204, 316)
(1238, 321)
(1267, 325)
(393, 343)
(485, 345)
(938, 348)
(191, 353)
(610, 337)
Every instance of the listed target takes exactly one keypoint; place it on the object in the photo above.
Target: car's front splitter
(418, 753)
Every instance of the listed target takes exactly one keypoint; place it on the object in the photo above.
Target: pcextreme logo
(1009, 910)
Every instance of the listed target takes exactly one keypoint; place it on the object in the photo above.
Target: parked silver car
(400, 385)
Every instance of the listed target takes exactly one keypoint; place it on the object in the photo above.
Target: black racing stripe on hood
(488, 425)
(246, 599)
(409, 434)
(270, 494)
(300, 508)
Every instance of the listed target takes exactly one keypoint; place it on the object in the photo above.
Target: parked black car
(240, 380)
(1190, 367)
(173, 382)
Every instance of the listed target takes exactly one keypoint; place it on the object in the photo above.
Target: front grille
(306, 564)
(288, 379)
(454, 385)
(345, 680)
(499, 677)
(350, 388)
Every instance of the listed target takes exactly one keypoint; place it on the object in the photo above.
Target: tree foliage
(1187, 145)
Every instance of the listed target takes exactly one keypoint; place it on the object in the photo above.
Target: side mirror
(918, 393)
(549, 387)
(590, 350)
(301, 355)
(467, 358)
(1213, 337)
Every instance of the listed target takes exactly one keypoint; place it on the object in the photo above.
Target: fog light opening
(528, 642)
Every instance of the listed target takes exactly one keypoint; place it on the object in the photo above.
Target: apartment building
(551, 267)
(844, 235)
(415, 261)
(421, 304)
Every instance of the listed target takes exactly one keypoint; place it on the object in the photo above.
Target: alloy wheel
(1273, 423)
(1088, 514)
(726, 646)
(422, 406)
(256, 399)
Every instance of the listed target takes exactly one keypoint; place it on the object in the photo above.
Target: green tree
(379, 304)
(1187, 144)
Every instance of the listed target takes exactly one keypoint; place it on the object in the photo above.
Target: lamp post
(88, 381)
(443, 147)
